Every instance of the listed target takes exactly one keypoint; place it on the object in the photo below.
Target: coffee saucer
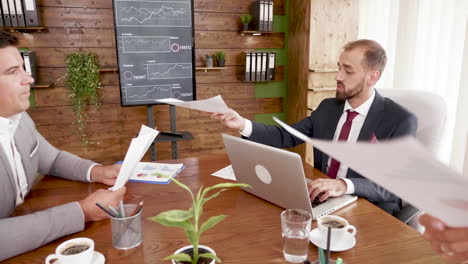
(98, 258)
(348, 241)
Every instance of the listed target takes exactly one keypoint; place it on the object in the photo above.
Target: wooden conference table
(250, 234)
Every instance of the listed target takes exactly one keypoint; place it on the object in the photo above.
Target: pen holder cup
(127, 231)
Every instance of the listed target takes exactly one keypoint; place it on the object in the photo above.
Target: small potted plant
(209, 61)
(189, 221)
(245, 19)
(220, 58)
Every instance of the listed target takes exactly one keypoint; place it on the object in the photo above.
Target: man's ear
(373, 78)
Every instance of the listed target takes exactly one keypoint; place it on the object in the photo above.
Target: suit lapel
(24, 141)
(332, 118)
(373, 118)
(8, 172)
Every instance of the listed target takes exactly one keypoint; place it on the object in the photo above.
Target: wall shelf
(25, 29)
(322, 89)
(258, 33)
(324, 70)
(109, 69)
(42, 86)
(206, 69)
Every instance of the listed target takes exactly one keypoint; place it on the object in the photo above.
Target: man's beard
(348, 94)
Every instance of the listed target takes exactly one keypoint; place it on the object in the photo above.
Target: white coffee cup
(340, 228)
(84, 257)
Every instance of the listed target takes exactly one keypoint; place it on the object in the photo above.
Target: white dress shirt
(7, 132)
(356, 127)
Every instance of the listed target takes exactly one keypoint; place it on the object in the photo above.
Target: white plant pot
(199, 247)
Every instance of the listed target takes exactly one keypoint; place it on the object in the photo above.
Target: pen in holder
(325, 258)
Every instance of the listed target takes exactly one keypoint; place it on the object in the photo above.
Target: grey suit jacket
(386, 119)
(24, 233)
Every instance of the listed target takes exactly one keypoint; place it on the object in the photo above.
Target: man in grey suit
(358, 112)
(24, 153)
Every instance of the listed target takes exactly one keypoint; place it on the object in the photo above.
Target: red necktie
(335, 165)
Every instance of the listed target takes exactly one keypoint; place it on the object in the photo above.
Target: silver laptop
(277, 176)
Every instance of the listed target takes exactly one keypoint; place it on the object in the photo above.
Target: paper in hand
(135, 152)
(407, 169)
(212, 105)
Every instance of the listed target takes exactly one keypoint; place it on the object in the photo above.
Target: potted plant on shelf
(220, 58)
(189, 221)
(83, 81)
(245, 19)
(209, 61)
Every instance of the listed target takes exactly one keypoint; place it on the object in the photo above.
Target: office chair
(465, 164)
(430, 109)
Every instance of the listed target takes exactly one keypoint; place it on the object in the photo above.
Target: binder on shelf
(1, 15)
(31, 14)
(257, 12)
(258, 69)
(270, 16)
(271, 66)
(11, 5)
(253, 67)
(264, 65)
(29, 58)
(20, 13)
(6, 13)
(248, 56)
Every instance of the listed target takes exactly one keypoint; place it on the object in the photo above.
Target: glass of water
(295, 225)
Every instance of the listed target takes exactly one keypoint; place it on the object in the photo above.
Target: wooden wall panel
(237, 6)
(87, 25)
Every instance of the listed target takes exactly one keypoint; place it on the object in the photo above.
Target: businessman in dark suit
(358, 112)
(24, 154)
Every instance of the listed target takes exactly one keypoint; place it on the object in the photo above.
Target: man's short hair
(374, 53)
(6, 39)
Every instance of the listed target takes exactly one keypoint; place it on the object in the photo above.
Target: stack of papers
(135, 152)
(152, 172)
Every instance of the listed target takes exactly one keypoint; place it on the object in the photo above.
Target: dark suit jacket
(386, 119)
(27, 232)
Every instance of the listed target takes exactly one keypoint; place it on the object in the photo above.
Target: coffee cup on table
(73, 251)
(340, 228)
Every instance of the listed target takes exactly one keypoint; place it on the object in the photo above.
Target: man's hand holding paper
(135, 152)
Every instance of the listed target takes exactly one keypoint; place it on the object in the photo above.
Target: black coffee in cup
(75, 249)
(333, 224)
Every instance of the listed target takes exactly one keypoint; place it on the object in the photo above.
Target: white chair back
(429, 108)
(465, 164)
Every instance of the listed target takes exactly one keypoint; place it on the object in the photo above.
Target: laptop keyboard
(316, 201)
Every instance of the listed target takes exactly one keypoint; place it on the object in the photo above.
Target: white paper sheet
(135, 152)
(404, 167)
(212, 105)
(225, 173)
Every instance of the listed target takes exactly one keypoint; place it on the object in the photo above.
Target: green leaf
(211, 256)
(183, 186)
(224, 185)
(165, 222)
(179, 257)
(204, 200)
(211, 222)
(192, 236)
(175, 215)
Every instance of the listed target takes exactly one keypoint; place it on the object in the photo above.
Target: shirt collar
(9, 124)
(363, 109)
